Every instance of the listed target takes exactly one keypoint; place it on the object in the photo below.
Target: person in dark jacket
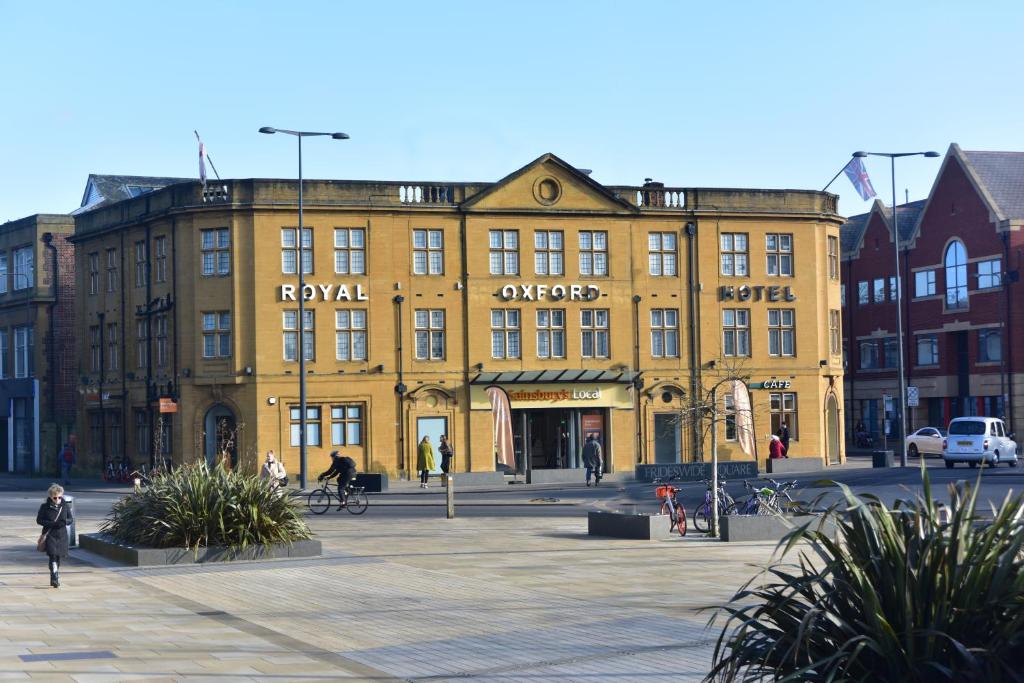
(445, 449)
(54, 516)
(783, 435)
(344, 468)
(593, 459)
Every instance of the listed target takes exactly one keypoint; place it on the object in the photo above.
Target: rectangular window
(504, 252)
(112, 350)
(142, 433)
(990, 346)
(548, 252)
(729, 411)
(3, 272)
(664, 333)
(24, 269)
(990, 273)
(312, 425)
(662, 258)
(24, 352)
(217, 334)
(833, 331)
(113, 266)
(216, 251)
(291, 335)
(862, 292)
(892, 289)
(781, 332)
(96, 431)
(141, 344)
(349, 251)
(735, 254)
(347, 425)
(594, 332)
(141, 264)
(593, 252)
(842, 296)
(833, 258)
(879, 288)
(868, 355)
(160, 259)
(890, 352)
(164, 433)
(290, 251)
(736, 332)
(94, 273)
(94, 348)
(924, 283)
(505, 333)
(551, 333)
(429, 327)
(114, 428)
(779, 250)
(5, 370)
(783, 411)
(428, 252)
(161, 340)
(928, 350)
(350, 334)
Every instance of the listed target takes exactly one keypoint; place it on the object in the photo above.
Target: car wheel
(912, 450)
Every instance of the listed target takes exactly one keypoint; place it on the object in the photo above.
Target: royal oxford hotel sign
(756, 293)
(525, 292)
(325, 292)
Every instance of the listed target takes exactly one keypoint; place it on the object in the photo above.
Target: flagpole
(210, 159)
(833, 177)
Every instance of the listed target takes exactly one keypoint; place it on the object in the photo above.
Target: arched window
(956, 275)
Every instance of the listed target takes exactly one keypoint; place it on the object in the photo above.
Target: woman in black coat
(54, 516)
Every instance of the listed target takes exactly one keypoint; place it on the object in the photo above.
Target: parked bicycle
(764, 500)
(702, 515)
(671, 505)
(356, 502)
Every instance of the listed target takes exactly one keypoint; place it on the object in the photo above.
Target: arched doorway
(221, 430)
(832, 429)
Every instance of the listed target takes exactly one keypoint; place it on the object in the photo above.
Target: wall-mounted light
(822, 363)
(248, 369)
(271, 400)
(186, 372)
(712, 363)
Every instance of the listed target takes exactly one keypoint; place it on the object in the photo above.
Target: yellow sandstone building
(600, 310)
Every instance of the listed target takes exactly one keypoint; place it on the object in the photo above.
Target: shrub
(897, 594)
(195, 506)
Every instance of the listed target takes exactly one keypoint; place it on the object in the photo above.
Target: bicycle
(764, 500)
(670, 505)
(356, 502)
(702, 515)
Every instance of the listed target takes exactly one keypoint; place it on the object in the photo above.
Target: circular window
(432, 401)
(547, 190)
(667, 396)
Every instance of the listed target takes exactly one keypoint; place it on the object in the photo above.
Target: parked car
(927, 440)
(976, 440)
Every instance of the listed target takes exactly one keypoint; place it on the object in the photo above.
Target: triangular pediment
(548, 185)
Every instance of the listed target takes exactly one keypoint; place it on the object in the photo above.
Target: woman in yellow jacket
(425, 460)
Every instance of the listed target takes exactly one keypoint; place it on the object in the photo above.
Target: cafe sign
(771, 384)
(512, 292)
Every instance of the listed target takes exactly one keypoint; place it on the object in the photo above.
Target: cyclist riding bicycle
(344, 468)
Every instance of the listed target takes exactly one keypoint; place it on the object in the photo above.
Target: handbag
(41, 543)
(283, 481)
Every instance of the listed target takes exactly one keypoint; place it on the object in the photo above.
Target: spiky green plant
(887, 594)
(195, 506)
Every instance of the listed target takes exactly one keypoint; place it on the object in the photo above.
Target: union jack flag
(858, 175)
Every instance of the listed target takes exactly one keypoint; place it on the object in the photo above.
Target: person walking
(445, 449)
(273, 471)
(425, 460)
(783, 435)
(67, 459)
(593, 459)
(54, 516)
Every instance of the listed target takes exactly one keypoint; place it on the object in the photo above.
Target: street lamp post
(302, 286)
(901, 411)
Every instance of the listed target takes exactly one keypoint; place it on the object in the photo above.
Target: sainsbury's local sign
(324, 292)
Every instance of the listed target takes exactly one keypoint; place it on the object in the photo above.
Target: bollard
(72, 539)
(449, 482)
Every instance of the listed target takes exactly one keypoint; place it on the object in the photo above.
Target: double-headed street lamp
(299, 134)
(901, 412)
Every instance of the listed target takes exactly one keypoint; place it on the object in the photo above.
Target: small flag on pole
(858, 175)
(202, 164)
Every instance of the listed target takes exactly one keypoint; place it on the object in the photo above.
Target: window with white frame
(350, 334)
(783, 407)
(113, 268)
(990, 346)
(928, 349)
(94, 272)
(593, 252)
(729, 412)
(779, 251)
(505, 333)
(347, 425)
(924, 283)
(160, 259)
(141, 344)
(429, 329)
(735, 254)
(141, 264)
(548, 252)
(662, 257)
(291, 335)
(551, 333)
(879, 289)
(863, 292)
(215, 246)
(428, 252)
(312, 425)
(834, 341)
(142, 443)
(781, 332)
(504, 252)
(290, 251)
(833, 258)
(868, 354)
(735, 331)
(890, 352)
(349, 251)
(955, 262)
(594, 333)
(94, 348)
(217, 334)
(892, 289)
(990, 273)
(24, 268)
(664, 333)
(113, 352)
(160, 322)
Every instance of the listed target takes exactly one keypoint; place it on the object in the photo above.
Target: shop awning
(555, 376)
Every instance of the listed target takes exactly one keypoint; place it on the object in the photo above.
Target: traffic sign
(913, 397)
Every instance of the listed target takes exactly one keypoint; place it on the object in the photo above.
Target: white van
(978, 439)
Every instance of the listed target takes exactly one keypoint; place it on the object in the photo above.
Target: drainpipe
(1006, 369)
(102, 315)
(52, 350)
(637, 380)
(150, 389)
(903, 281)
(691, 238)
(124, 357)
(400, 389)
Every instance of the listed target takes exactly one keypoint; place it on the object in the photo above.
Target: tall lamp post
(901, 412)
(299, 134)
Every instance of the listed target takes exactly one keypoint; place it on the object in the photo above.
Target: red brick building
(960, 257)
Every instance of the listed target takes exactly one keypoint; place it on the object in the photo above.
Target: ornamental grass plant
(899, 593)
(194, 506)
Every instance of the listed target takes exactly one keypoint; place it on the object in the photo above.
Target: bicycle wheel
(701, 520)
(732, 509)
(357, 503)
(681, 520)
(319, 501)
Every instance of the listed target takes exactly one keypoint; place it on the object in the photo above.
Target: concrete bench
(790, 465)
(627, 525)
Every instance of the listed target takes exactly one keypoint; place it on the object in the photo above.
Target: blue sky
(741, 94)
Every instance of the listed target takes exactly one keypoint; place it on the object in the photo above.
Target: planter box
(373, 483)
(138, 556)
(788, 465)
(623, 525)
(575, 475)
(761, 527)
(882, 458)
(476, 479)
(698, 471)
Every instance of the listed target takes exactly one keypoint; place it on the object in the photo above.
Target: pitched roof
(851, 233)
(101, 190)
(1002, 175)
